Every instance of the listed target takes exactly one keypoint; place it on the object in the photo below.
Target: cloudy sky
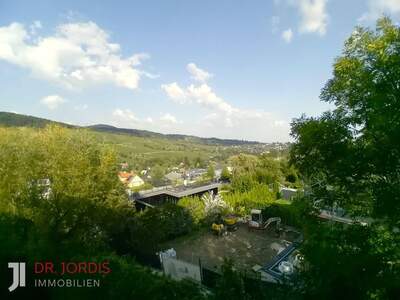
(230, 69)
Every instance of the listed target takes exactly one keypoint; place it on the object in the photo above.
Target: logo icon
(18, 275)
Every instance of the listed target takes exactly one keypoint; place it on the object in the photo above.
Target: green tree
(157, 175)
(63, 182)
(186, 162)
(231, 284)
(195, 206)
(243, 163)
(356, 146)
(249, 170)
(61, 200)
(157, 225)
(243, 183)
(199, 162)
(225, 174)
(350, 156)
(234, 284)
(255, 196)
(210, 172)
(351, 262)
(268, 170)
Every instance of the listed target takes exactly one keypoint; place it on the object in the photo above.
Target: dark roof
(177, 192)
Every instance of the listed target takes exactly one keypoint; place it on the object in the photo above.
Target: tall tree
(355, 149)
(210, 172)
(351, 156)
(64, 182)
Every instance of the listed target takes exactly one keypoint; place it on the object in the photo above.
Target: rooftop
(178, 192)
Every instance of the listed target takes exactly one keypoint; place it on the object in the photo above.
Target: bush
(233, 284)
(258, 197)
(21, 240)
(195, 206)
(157, 225)
(242, 183)
(225, 175)
(294, 214)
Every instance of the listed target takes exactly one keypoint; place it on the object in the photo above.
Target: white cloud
(36, 25)
(76, 55)
(225, 119)
(313, 15)
(197, 73)
(377, 8)
(175, 92)
(314, 18)
(164, 123)
(204, 95)
(287, 35)
(168, 118)
(52, 101)
(124, 115)
(136, 59)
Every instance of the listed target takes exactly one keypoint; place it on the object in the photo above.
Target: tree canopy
(353, 151)
(350, 157)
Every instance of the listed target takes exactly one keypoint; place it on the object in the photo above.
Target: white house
(130, 179)
(288, 193)
(135, 181)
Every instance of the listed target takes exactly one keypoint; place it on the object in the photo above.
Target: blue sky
(230, 69)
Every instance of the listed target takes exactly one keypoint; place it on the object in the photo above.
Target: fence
(150, 260)
(209, 278)
(178, 269)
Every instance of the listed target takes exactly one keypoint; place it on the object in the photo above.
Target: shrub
(195, 206)
(293, 214)
(258, 197)
(157, 225)
(243, 183)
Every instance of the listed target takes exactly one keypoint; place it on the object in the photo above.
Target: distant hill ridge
(9, 119)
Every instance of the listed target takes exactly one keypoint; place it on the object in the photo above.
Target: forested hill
(182, 137)
(9, 119)
(17, 120)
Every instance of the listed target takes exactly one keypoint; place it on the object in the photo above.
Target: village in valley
(200, 150)
(258, 242)
(256, 234)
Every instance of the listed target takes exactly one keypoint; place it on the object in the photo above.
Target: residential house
(135, 181)
(195, 174)
(288, 193)
(130, 179)
(124, 176)
(173, 176)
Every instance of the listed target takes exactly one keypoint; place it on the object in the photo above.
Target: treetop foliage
(355, 149)
(350, 157)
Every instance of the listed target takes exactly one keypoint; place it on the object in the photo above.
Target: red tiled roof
(125, 175)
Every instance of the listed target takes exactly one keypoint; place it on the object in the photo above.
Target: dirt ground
(246, 248)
